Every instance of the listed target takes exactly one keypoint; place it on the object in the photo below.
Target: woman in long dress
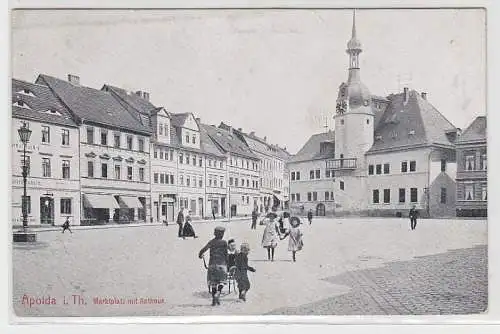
(188, 230)
(271, 236)
(295, 242)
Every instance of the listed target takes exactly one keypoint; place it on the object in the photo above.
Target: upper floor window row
(472, 161)
(104, 141)
(295, 176)
(46, 136)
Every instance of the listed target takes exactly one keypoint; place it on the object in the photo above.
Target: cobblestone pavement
(347, 266)
(455, 282)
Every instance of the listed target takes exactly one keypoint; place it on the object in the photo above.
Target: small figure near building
(254, 219)
(413, 217)
(310, 216)
(180, 222)
(65, 226)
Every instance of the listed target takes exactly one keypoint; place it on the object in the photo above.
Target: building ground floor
(120, 207)
(217, 205)
(318, 208)
(472, 198)
(46, 207)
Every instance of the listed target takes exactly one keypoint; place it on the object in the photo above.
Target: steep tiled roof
(93, 105)
(40, 99)
(476, 131)
(142, 107)
(228, 142)
(415, 122)
(207, 144)
(179, 119)
(312, 148)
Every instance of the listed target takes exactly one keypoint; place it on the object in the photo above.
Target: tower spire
(353, 35)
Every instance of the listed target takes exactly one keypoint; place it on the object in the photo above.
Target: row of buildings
(388, 154)
(108, 155)
(102, 155)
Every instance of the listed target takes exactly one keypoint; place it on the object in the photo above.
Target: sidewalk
(40, 228)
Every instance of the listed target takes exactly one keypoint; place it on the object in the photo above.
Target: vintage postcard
(201, 162)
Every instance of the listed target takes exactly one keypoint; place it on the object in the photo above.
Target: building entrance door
(46, 210)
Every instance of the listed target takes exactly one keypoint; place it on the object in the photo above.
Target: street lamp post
(24, 236)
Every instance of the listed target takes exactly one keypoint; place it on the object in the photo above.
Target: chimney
(406, 94)
(424, 95)
(265, 138)
(252, 133)
(143, 95)
(240, 129)
(74, 79)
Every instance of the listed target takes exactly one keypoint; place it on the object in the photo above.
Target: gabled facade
(472, 181)
(114, 154)
(242, 171)
(273, 179)
(52, 154)
(311, 182)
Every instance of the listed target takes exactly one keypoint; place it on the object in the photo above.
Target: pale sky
(275, 72)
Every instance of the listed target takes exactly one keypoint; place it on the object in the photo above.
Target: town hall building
(389, 154)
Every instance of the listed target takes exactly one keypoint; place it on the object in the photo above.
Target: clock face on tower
(341, 107)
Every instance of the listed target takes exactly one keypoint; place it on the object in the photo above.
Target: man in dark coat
(310, 216)
(65, 226)
(413, 217)
(180, 221)
(254, 219)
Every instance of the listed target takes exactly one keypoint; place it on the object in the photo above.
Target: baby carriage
(230, 280)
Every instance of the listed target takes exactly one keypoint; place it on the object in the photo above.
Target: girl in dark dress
(188, 230)
(241, 274)
(217, 265)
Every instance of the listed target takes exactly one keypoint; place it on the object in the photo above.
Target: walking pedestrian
(413, 217)
(65, 226)
(309, 216)
(213, 213)
(217, 265)
(188, 230)
(180, 221)
(270, 236)
(241, 273)
(295, 242)
(254, 219)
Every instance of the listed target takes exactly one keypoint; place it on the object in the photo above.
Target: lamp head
(24, 133)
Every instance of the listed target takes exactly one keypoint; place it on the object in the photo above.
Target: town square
(439, 268)
(227, 171)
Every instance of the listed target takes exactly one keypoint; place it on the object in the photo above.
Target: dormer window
(21, 104)
(26, 92)
(52, 112)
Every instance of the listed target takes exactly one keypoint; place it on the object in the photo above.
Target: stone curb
(111, 226)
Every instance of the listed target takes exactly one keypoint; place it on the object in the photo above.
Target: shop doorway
(47, 210)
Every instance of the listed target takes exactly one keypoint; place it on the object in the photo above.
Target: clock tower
(354, 120)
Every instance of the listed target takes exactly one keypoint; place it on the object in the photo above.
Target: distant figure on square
(241, 273)
(188, 230)
(270, 236)
(65, 226)
(413, 217)
(213, 213)
(180, 221)
(217, 265)
(231, 253)
(310, 216)
(254, 219)
(295, 242)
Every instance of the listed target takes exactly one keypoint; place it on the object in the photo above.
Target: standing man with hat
(180, 221)
(217, 265)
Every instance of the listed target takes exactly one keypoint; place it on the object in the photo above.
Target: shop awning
(99, 201)
(279, 197)
(130, 202)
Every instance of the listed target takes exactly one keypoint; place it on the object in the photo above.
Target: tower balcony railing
(341, 164)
